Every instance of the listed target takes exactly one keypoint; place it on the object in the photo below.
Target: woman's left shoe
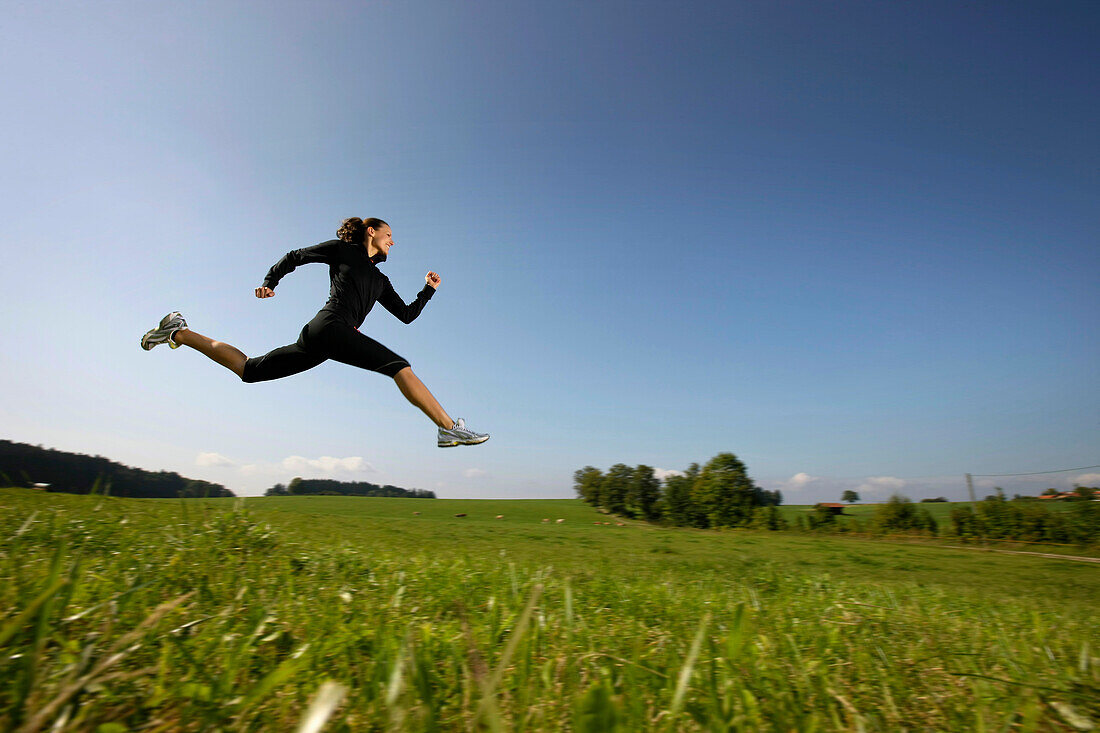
(459, 434)
(162, 334)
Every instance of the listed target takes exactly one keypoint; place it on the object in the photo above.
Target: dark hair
(354, 230)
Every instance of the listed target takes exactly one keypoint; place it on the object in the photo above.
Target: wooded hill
(301, 487)
(25, 465)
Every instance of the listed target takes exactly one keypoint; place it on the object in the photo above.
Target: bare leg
(416, 393)
(228, 356)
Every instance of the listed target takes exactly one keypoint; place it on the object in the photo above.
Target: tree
(586, 482)
(929, 522)
(723, 493)
(695, 516)
(767, 517)
(821, 517)
(614, 488)
(277, 490)
(677, 500)
(899, 513)
(963, 522)
(203, 489)
(768, 498)
(643, 492)
(850, 496)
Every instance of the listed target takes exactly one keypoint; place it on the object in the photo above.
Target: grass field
(123, 615)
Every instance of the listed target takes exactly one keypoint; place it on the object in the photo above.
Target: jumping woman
(356, 284)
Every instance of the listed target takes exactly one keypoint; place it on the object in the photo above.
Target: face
(383, 238)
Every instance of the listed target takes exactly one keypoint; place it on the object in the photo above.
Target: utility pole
(970, 488)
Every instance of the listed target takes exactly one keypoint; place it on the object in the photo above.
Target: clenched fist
(433, 279)
(262, 292)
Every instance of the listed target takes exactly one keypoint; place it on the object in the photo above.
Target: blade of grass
(273, 679)
(324, 703)
(686, 670)
(13, 626)
(41, 629)
(488, 699)
(393, 690)
(26, 524)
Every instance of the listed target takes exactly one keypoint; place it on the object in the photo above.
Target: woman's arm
(392, 302)
(324, 252)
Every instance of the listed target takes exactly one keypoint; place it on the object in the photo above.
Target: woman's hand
(262, 292)
(433, 279)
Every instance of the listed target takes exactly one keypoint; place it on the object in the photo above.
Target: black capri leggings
(325, 337)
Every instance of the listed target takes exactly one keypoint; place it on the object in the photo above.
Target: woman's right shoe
(459, 434)
(162, 334)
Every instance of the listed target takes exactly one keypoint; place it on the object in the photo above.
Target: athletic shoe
(459, 434)
(162, 334)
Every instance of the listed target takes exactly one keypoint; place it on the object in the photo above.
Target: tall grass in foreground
(120, 616)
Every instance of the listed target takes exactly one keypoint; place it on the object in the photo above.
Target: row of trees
(852, 496)
(720, 494)
(1079, 493)
(1029, 520)
(304, 487)
(22, 464)
(897, 514)
(1022, 518)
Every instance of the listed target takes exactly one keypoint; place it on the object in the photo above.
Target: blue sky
(854, 243)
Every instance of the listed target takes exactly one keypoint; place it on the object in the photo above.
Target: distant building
(833, 507)
(1062, 496)
(40, 487)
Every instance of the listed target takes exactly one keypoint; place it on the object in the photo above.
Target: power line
(1035, 473)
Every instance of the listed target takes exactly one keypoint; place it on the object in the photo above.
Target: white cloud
(474, 472)
(663, 473)
(880, 485)
(1087, 479)
(804, 488)
(213, 459)
(798, 482)
(328, 465)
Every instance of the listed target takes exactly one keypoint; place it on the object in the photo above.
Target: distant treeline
(1030, 520)
(302, 487)
(75, 473)
(1023, 519)
(720, 494)
(896, 515)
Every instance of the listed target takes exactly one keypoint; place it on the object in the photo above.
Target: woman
(356, 284)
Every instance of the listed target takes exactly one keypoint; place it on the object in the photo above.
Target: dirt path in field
(1024, 552)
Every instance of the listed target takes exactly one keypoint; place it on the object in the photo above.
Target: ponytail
(354, 230)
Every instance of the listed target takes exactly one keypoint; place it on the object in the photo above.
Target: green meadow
(357, 614)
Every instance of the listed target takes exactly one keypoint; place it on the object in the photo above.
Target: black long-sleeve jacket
(356, 282)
